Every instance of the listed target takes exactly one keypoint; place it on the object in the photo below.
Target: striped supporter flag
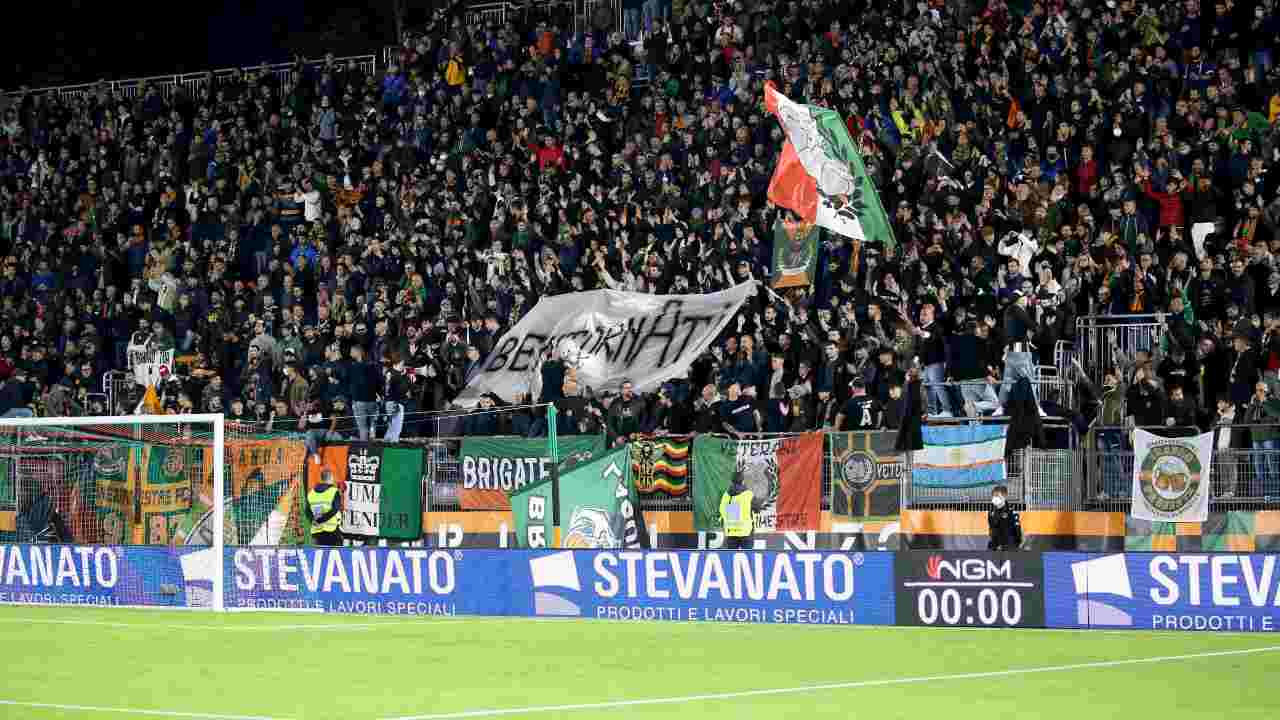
(960, 456)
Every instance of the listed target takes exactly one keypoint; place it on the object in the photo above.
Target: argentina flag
(960, 456)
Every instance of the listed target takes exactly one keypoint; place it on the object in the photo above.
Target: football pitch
(117, 663)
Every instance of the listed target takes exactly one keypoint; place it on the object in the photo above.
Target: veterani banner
(609, 336)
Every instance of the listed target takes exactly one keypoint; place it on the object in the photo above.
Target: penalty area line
(852, 685)
(132, 711)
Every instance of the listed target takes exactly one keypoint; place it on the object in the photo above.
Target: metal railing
(1241, 478)
(1048, 386)
(193, 83)
(116, 385)
(1037, 478)
(1103, 340)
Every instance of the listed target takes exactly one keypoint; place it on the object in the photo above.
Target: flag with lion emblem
(660, 465)
(820, 175)
(1171, 477)
(783, 474)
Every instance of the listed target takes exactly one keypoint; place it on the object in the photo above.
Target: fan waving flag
(820, 175)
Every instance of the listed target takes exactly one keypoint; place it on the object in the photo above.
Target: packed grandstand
(1110, 162)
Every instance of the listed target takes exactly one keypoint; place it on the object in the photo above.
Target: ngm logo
(968, 569)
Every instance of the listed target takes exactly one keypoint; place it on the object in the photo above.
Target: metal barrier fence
(1037, 479)
(1241, 478)
(444, 475)
(1048, 384)
(194, 83)
(485, 13)
(1096, 477)
(1102, 340)
(116, 385)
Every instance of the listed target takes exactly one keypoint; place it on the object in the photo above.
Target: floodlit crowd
(337, 251)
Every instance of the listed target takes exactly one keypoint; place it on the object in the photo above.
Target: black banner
(969, 589)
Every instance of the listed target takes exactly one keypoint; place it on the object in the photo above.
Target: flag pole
(553, 447)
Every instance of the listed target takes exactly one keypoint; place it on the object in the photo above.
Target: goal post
(85, 481)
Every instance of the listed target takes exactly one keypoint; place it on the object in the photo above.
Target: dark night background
(61, 42)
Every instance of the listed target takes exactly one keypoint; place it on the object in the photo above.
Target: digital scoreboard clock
(970, 589)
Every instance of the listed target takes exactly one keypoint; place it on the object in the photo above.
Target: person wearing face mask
(1003, 523)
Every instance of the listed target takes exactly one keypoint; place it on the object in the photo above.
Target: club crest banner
(609, 336)
(1171, 477)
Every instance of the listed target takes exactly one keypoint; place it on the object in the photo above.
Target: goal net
(122, 510)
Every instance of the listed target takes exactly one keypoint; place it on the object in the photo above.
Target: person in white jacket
(1021, 247)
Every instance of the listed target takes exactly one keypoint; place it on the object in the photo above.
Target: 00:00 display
(993, 607)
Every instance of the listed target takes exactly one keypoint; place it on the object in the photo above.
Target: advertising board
(759, 587)
(1163, 591)
(106, 575)
(969, 589)
(1143, 591)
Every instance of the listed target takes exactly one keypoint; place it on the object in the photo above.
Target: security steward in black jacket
(1004, 523)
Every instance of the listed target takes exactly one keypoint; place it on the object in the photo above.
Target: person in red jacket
(1086, 173)
(549, 153)
(1170, 201)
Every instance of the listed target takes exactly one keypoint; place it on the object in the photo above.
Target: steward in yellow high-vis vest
(736, 514)
(324, 510)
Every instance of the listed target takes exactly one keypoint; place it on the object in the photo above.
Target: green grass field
(96, 663)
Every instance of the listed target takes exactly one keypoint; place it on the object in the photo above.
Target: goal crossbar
(219, 443)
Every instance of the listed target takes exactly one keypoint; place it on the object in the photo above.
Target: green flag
(599, 507)
(166, 492)
(400, 504)
(382, 492)
(112, 468)
(531, 511)
(864, 202)
(820, 174)
(494, 467)
(714, 461)
(795, 253)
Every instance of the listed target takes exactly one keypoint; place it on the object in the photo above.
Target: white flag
(1171, 477)
(609, 336)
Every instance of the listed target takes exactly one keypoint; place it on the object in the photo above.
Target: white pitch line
(133, 711)
(228, 628)
(703, 625)
(495, 712)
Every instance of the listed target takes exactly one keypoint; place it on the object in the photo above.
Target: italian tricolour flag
(820, 175)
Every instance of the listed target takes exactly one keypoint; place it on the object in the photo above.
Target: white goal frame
(217, 421)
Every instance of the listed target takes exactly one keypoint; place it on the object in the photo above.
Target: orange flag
(151, 401)
(1014, 109)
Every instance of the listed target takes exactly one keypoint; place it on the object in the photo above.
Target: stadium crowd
(351, 245)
